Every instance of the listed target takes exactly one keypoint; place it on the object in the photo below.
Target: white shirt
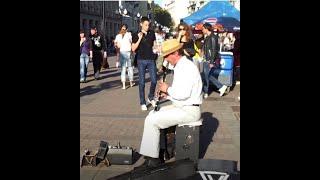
(124, 42)
(186, 87)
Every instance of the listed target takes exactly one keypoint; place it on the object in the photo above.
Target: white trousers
(166, 117)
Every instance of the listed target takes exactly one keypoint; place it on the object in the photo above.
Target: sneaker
(132, 84)
(205, 95)
(152, 102)
(144, 107)
(222, 90)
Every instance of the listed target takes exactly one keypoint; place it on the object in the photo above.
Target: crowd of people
(143, 49)
(94, 48)
(191, 58)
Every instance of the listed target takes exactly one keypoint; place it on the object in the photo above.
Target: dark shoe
(162, 155)
(152, 162)
(149, 162)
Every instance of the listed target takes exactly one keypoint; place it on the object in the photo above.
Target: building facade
(131, 12)
(91, 14)
(236, 4)
(195, 5)
(182, 8)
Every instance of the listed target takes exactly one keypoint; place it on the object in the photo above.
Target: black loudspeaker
(187, 142)
(217, 165)
(103, 149)
(214, 175)
(120, 155)
(218, 169)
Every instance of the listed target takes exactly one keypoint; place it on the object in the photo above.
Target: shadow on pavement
(89, 90)
(207, 130)
(136, 157)
(107, 72)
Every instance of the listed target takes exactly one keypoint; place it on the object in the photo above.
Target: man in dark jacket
(210, 49)
(99, 51)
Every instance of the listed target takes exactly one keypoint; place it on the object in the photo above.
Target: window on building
(97, 24)
(107, 30)
(84, 25)
(91, 23)
(115, 28)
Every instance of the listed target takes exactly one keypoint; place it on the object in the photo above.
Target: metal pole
(103, 20)
(152, 16)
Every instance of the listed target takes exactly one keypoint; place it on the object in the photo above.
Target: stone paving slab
(109, 113)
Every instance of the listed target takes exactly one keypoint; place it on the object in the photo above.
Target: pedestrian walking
(85, 54)
(123, 42)
(210, 49)
(99, 51)
(142, 45)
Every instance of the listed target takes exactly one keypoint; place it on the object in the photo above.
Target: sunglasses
(180, 29)
(124, 29)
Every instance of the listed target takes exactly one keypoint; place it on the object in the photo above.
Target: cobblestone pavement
(109, 113)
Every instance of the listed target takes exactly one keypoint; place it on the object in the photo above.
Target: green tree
(162, 16)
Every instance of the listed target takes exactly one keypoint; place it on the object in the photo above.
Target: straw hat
(170, 46)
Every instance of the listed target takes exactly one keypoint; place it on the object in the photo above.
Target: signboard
(211, 21)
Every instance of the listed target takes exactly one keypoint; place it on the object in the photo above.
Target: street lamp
(125, 12)
(151, 8)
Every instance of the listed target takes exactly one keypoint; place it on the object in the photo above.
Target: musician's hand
(163, 95)
(163, 87)
(186, 53)
(140, 34)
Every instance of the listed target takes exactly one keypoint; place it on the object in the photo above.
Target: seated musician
(185, 94)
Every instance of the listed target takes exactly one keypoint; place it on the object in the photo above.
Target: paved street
(109, 113)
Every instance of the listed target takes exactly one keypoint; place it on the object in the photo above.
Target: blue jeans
(125, 61)
(142, 66)
(84, 61)
(208, 77)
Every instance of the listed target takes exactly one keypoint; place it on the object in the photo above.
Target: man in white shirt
(123, 41)
(185, 94)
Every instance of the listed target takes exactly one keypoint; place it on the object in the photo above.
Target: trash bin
(225, 72)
